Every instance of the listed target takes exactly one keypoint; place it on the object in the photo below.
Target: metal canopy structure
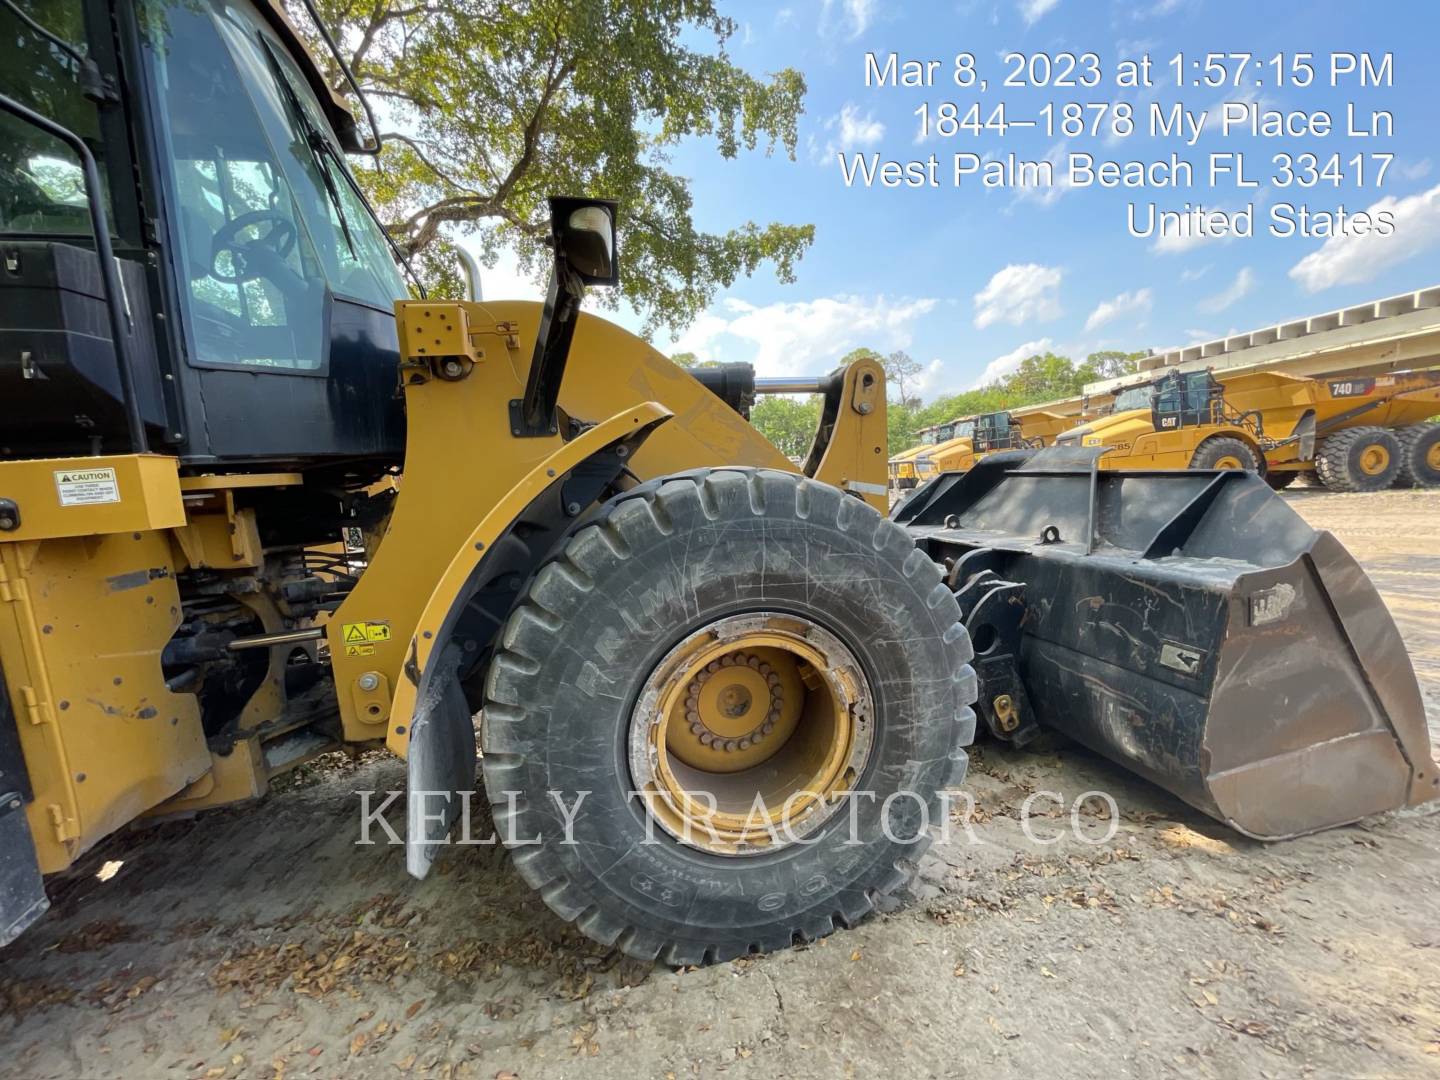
(1392, 334)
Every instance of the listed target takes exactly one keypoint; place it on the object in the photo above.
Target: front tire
(727, 582)
(1224, 452)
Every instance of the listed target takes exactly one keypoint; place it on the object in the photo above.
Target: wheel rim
(748, 734)
(1229, 461)
(1374, 459)
(1432, 456)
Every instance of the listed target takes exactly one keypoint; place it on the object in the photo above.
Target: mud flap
(1188, 625)
(441, 767)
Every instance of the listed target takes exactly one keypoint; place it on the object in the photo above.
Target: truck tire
(1419, 456)
(667, 661)
(1279, 480)
(1358, 459)
(1223, 452)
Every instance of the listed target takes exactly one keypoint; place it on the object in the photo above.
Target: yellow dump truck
(902, 466)
(1357, 433)
(987, 433)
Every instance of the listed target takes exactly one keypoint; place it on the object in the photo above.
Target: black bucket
(1189, 626)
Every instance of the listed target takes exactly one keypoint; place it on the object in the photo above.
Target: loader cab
(257, 287)
(1175, 401)
(1186, 400)
(997, 431)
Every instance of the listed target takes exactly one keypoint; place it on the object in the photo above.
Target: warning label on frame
(87, 487)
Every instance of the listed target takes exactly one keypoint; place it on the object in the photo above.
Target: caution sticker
(361, 633)
(87, 487)
(359, 650)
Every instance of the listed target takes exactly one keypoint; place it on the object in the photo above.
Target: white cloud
(1004, 365)
(1138, 302)
(1178, 236)
(857, 130)
(1047, 194)
(1019, 293)
(929, 375)
(804, 337)
(1033, 10)
(1417, 170)
(858, 14)
(1349, 260)
(849, 130)
(1197, 336)
(1195, 274)
(1232, 294)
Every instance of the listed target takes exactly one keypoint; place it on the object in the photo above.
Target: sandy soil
(262, 942)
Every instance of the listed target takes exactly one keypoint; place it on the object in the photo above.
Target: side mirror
(584, 236)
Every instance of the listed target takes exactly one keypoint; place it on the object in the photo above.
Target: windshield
(1137, 397)
(927, 438)
(964, 430)
(42, 190)
(267, 220)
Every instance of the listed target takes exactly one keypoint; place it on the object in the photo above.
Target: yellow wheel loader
(252, 509)
(1357, 433)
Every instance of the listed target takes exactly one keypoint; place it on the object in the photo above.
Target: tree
(901, 372)
(1043, 377)
(685, 359)
(489, 106)
(789, 423)
(1108, 364)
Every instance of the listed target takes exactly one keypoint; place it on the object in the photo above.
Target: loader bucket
(1187, 625)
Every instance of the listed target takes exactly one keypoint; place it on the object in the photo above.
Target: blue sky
(968, 281)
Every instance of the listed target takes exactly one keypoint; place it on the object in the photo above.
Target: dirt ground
(262, 942)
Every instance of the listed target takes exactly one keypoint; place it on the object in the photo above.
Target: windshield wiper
(320, 150)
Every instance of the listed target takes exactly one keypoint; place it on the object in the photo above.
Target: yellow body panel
(92, 496)
(82, 623)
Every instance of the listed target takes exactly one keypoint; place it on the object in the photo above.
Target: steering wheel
(249, 259)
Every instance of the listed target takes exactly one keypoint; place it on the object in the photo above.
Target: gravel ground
(262, 942)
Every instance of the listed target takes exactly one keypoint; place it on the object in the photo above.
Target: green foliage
(789, 423)
(1109, 364)
(1039, 378)
(490, 106)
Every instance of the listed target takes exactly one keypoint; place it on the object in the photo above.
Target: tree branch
(420, 153)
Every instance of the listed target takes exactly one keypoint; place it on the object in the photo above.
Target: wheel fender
(431, 723)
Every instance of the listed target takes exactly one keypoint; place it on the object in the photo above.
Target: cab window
(268, 227)
(42, 189)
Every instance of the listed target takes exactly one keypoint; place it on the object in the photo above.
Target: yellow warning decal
(359, 650)
(358, 633)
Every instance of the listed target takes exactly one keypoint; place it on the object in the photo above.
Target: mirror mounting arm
(583, 256)
(535, 413)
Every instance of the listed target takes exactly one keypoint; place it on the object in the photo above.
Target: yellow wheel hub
(1229, 461)
(747, 735)
(1374, 459)
(1432, 456)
